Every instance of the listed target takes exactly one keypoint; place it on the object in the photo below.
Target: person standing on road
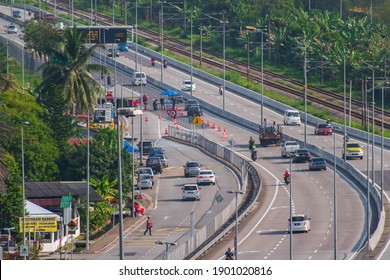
(149, 226)
(162, 103)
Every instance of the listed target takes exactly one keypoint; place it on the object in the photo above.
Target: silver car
(300, 222)
(191, 191)
(144, 181)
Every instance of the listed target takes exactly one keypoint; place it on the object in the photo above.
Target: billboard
(104, 34)
(39, 224)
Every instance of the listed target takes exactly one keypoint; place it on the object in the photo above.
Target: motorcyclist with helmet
(287, 178)
(155, 104)
(165, 63)
(220, 89)
(153, 60)
(251, 143)
(229, 254)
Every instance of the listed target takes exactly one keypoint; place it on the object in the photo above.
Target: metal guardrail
(223, 222)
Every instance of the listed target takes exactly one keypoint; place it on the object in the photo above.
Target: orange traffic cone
(202, 120)
(146, 118)
(219, 128)
(224, 134)
(166, 131)
(177, 126)
(213, 126)
(182, 112)
(159, 116)
(208, 123)
(174, 121)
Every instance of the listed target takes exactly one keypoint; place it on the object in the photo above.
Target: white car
(146, 170)
(300, 222)
(187, 84)
(144, 181)
(191, 191)
(205, 177)
(163, 158)
(11, 29)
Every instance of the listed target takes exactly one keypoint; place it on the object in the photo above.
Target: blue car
(123, 48)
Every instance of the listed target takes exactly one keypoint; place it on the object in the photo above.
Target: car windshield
(140, 75)
(187, 83)
(291, 144)
(302, 151)
(292, 114)
(353, 145)
(322, 126)
(190, 188)
(144, 176)
(205, 173)
(192, 102)
(298, 219)
(193, 164)
(318, 160)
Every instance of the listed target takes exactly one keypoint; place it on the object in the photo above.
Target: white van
(139, 78)
(292, 117)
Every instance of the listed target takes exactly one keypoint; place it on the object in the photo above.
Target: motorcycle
(254, 155)
(228, 258)
(287, 179)
(220, 90)
(165, 63)
(155, 105)
(153, 61)
(346, 138)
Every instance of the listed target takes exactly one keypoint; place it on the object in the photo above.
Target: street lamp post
(23, 188)
(224, 22)
(123, 112)
(236, 237)
(191, 57)
(291, 211)
(167, 244)
(335, 128)
(162, 38)
(305, 90)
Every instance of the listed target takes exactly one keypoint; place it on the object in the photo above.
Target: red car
(323, 128)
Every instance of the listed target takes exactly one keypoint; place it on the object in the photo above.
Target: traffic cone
(177, 109)
(213, 126)
(219, 128)
(208, 123)
(177, 126)
(174, 121)
(159, 116)
(146, 118)
(202, 120)
(166, 131)
(182, 113)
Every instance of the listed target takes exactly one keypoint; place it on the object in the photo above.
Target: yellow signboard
(197, 121)
(39, 224)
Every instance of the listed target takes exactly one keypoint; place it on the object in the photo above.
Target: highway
(264, 235)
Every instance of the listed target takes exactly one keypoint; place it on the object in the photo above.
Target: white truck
(289, 148)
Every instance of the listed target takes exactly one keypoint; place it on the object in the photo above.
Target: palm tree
(69, 68)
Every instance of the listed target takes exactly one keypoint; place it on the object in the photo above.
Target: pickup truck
(289, 148)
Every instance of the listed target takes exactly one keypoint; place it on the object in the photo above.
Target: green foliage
(103, 160)
(41, 150)
(11, 198)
